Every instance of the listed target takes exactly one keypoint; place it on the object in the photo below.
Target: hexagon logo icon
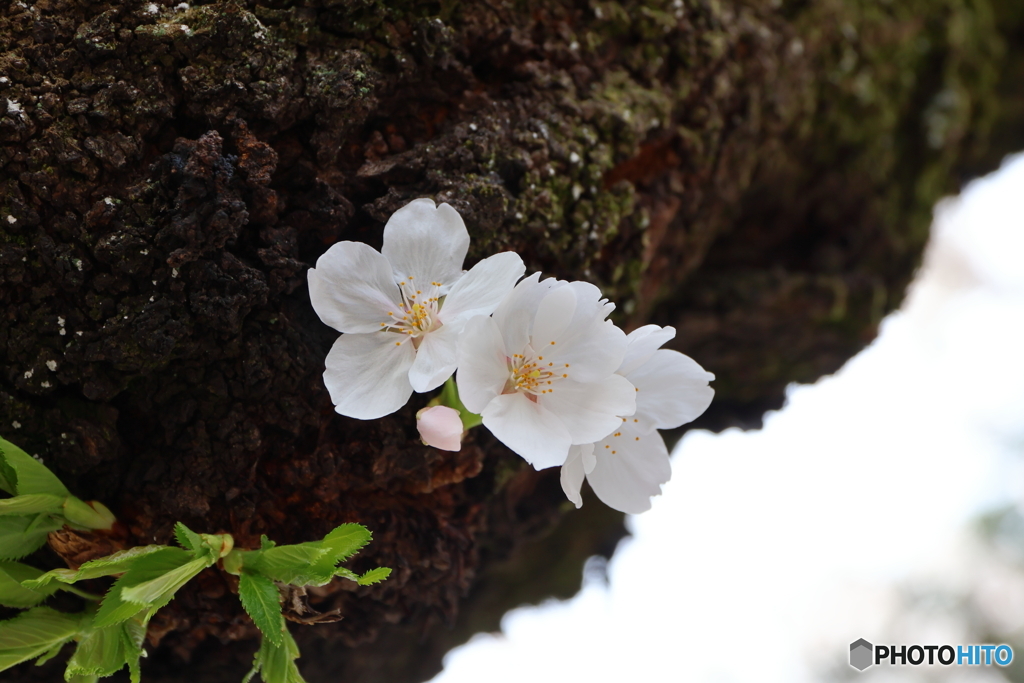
(861, 652)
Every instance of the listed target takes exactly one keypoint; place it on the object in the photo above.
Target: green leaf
(340, 544)
(163, 588)
(153, 566)
(99, 653)
(308, 564)
(117, 563)
(32, 503)
(34, 633)
(22, 474)
(187, 539)
(346, 540)
(20, 536)
(374, 576)
(294, 564)
(276, 663)
(50, 654)
(345, 573)
(12, 593)
(266, 543)
(262, 602)
(133, 633)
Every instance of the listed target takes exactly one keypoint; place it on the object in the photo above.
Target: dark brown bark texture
(758, 174)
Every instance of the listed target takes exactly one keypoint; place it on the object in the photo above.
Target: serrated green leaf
(163, 588)
(187, 539)
(262, 602)
(12, 593)
(276, 663)
(23, 474)
(294, 564)
(34, 633)
(266, 543)
(50, 654)
(100, 652)
(340, 544)
(31, 504)
(115, 609)
(84, 679)
(20, 536)
(346, 573)
(116, 563)
(374, 576)
(133, 633)
(347, 540)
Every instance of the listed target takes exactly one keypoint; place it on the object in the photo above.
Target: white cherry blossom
(626, 468)
(541, 371)
(401, 309)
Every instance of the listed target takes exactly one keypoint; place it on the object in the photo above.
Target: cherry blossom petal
(589, 459)
(594, 352)
(352, 288)
(426, 242)
(514, 316)
(440, 427)
(554, 315)
(483, 364)
(672, 390)
(630, 469)
(572, 475)
(483, 287)
(590, 411)
(641, 344)
(367, 375)
(436, 358)
(591, 305)
(529, 429)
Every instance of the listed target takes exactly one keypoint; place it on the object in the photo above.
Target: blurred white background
(857, 512)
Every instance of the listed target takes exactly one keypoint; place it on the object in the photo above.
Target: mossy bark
(758, 174)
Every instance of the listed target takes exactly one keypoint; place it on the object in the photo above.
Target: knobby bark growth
(758, 174)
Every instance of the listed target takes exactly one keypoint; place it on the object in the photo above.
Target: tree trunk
(758, 174)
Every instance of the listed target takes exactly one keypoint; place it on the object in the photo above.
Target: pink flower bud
(440, 427)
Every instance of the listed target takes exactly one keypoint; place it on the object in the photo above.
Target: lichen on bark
(758, 174)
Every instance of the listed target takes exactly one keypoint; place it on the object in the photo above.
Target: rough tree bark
(758, 174)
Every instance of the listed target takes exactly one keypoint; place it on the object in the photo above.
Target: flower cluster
(538, 362)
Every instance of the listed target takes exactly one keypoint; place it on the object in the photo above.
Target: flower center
(418, 313)
(532, 375)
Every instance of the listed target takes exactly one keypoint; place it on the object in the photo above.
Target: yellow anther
(540, 357)
(607, 446)
(565, 375)
(634, 420)
(613, 452)
(552, 343)
(638, 438)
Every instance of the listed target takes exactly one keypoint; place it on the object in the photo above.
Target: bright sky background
(771, 551)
